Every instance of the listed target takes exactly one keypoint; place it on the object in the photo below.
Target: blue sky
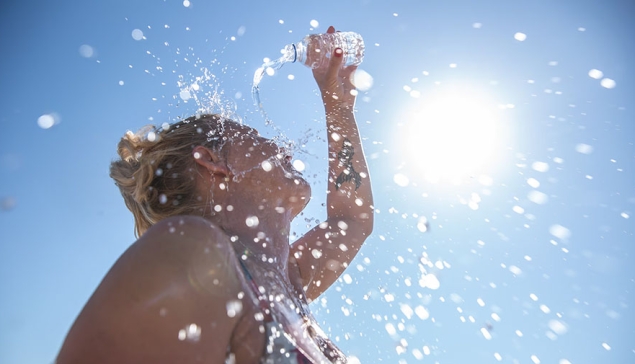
(536, 242)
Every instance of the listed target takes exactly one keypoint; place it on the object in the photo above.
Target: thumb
(335, 63)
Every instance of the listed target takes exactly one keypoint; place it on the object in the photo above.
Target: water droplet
(362, 80)
(540, 166)
(317, 253)
(515, 270)
(314, 23)
(390, 329)
(252, 221)
(234, 307)
(533, 297)
(429, 281)
(596, 74)
(533, 182)
(406, 310)
(423, 224)
(86, 51)
(559, 231)
(185, 95)
(163, 199)
(298, 165)
(347, 279)
(186, 3)
(477, 25)
(607, 83)
(401, 180)
(606, 346)
(584, 148)
(137, 34)
(520, 36)
(558, 327)
(267, 166)
(46, 121)
(422, 313)
(486, 333)
(191, 332)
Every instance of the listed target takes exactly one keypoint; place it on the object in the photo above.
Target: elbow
(366, 222)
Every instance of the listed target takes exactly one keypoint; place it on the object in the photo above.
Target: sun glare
(452, 134)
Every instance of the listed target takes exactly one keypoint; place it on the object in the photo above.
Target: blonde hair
(156, 172)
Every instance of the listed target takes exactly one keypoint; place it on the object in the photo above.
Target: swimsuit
(292, 333)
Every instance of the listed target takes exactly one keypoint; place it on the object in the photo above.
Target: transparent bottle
(315, 50)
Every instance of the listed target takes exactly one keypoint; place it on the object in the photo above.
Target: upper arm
(164, 300)
(324, 252)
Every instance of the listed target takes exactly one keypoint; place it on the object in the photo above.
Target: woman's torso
(278, 323)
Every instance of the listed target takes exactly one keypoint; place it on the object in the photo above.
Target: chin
(300, 196)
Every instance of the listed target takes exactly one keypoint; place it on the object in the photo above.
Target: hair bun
(155, 174)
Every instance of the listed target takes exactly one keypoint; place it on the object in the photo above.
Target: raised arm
(326, 250)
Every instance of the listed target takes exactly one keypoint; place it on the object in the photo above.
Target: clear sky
(506, 125)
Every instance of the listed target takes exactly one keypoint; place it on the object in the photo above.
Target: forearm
(349, 190)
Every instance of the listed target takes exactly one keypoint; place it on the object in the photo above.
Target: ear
(210, 160)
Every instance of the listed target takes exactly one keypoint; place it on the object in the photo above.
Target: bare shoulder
(156, 302)
(193, 229)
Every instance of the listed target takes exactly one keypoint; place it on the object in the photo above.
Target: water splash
(288, 56)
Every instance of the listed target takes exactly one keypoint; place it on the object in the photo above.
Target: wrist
(338, 108)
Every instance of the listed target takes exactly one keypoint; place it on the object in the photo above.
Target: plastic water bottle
(314, 51)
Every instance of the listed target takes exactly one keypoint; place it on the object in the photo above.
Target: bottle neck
(299, 51)
(295, 52)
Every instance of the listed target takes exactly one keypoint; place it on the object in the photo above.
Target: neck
(259, 235)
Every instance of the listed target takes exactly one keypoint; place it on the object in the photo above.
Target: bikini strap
(262, 301)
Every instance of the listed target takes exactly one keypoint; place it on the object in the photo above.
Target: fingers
(335, 64)
(331, 29)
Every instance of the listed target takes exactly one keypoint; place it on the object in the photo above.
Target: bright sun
(452, 134)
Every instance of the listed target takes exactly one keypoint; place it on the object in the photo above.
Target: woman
(212, 277)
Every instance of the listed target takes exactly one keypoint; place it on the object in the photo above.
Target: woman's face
(263, 169)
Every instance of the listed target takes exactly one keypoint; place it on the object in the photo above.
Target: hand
(335, 82)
